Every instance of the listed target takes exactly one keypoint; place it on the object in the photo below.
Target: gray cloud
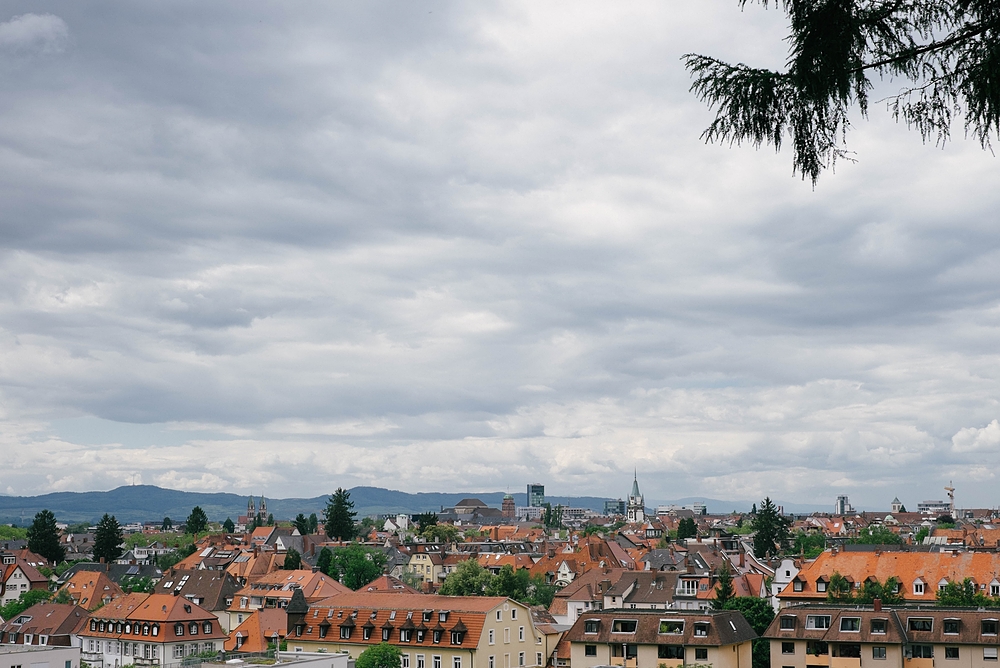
(437, 245)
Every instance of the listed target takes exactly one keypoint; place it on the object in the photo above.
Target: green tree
(520, 586)
(945, 50)
(771, 531)
(921, 534)
(43, 538)
(171, 559)
(324, 560)
(902, 508)
(167, 524)
(809, 545)
(963, 594)
(425, 521)
(108, 539)
(840, 589)
(270, 519)
(134, 583)
(23, 602)
(687, 528)
(355, 566)
(876, 535)
(724, 591)
(228, 525)
(293, 560)
(62, 596)
(339, 519)
(313, 523)
(468, 579)
(382, 655)
(552, 518)
(889, 592)
(197, 521)
(759, 614)
(301, 523)
(441, 533)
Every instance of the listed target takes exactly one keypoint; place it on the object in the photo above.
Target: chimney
(878, 604)
(743, 559)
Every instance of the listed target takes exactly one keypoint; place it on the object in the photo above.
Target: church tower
(263, 507)
(636, 511)
(251, 511)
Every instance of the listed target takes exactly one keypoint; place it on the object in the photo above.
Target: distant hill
(149, 503)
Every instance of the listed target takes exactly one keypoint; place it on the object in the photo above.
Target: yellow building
(431, 631)
(813, 635)
(637, 638)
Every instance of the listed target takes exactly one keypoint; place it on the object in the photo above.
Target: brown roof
(162, 610)
(58, 621)
(898, 629)
(725, 627)
(258, 629)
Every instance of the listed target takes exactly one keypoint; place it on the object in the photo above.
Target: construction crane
(951, 498)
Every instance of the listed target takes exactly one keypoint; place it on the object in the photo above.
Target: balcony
(818, 659)
(844, 662)
(918, 663)
(630, 662)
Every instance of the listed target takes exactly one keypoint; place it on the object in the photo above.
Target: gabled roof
(54, 620)
(258, 630)
(91, 589)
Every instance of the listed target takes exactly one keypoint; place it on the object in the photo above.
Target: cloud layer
(443, 246)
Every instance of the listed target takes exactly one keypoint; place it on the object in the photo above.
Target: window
(538, 658)
(513, 613)
(920, 624)
(989, 627)
(590, 650)
(405, 635)
(671, 626)
(366, 632)
(922, 651)
(436, 661)
(788, 648)
(506, 635)
(995, 589)
(701, 653)
(492, 662)
(385, 634)
(818, 622)
(499, 615)
(206, 627)
(878, 625)
(493, 637)
(701, 629)
(821, 585)
(797, 585)
(670, 652)
(436, 637)
(951, 652)
(178, 629)
(787, 623)
(420, 661)
(878, 652)
(520, 658)
(520, 633)
(405, 661)
(193, 628)
(623, 626)
(850, 623)
(589, 626)
(989, 654)
(918, 588)
(951, 626)
(345, 632)
(456, 637)
(179, 651)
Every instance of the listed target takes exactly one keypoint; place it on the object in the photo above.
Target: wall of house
(40, 657)
(728, 656)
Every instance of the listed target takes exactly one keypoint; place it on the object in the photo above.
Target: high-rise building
(614, 507)
(842, 506)
(536, 495)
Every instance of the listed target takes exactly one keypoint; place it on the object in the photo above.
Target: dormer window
(850, 624)
(624, 626)
(443, 616)
(821, 585)
(796, 585)
(920, 624)
(878, 626)
(178, 629)
(207, 627)
(787, 623)
(156, 630)
(701, 629)
(989, 627)
(951, 626)
(918, 588)
(675, 626)
(436, 637)
(818, 622)
(591, 626)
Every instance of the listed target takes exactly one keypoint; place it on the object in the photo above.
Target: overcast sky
(433, 246)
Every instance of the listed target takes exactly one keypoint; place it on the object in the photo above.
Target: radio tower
(951, 499)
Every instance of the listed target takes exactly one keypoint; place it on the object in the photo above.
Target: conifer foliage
(339, 515)
(108, 539)
(43, 537)
(946, 53)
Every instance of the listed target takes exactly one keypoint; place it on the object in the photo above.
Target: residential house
(919, 574)
(91, 589)
(149, 630)
(431, 631)
(214, 591)
(584, 594)
(45, 624)
(882, 637)
(660, 639)
(18, 576)
(259, 629)
(275, 590)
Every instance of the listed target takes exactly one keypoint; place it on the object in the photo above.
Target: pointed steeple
(635, 484)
